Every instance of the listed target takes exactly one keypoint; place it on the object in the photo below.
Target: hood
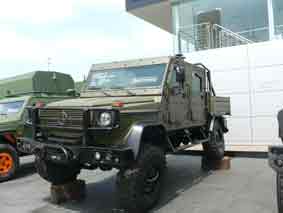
(13, 99)
(106, 101)
(9, 123)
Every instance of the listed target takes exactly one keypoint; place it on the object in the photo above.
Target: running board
(185, 147)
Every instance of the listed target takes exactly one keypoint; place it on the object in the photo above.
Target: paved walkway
(249, 187)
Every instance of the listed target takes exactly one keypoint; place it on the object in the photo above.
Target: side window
(196, 85)
(172, 80)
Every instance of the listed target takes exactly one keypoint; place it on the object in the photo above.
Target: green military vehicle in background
(79, 85)
(129, 116)
(31, 89)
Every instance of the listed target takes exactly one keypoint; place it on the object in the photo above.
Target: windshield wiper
(100, 90)
(127, 90)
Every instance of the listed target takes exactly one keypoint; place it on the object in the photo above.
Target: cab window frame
(197, 88)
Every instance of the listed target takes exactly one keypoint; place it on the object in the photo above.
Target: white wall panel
(234, 81)
(266, 53)
(268, 103)
(230, 68)
(239, 131)
(265, 130)
(221, 59)
(268, 78)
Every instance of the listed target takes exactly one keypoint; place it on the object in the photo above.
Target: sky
(74, 34)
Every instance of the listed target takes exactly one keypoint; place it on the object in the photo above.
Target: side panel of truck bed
(220, 105)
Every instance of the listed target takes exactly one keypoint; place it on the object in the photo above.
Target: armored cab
(129, 116)
(31, 89)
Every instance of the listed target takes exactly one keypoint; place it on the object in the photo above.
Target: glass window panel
(278, 16)
(196, 85)
(11, 107)
(247, 17)
(131, 77)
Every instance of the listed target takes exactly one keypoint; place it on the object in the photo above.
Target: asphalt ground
(248, 187)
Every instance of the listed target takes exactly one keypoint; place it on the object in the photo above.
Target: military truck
(129, 116)
(276, 163)
(31, 89)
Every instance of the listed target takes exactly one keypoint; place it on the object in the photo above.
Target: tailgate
(220, 105)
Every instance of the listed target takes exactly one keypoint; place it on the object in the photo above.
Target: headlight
(105, 119)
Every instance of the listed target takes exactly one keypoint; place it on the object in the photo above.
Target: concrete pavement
(249, 187)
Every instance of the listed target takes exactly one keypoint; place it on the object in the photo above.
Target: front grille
(72, 118)
(63, 136)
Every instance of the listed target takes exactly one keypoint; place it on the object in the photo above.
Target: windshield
(11, 107)
(131, 77)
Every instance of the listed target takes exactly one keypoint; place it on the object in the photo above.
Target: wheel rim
(6, 163)
(151, 181)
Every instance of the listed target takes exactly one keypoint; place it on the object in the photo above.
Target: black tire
(54, 173)
(9, 162)
(215, 148)
(280, 192)
(139, 188)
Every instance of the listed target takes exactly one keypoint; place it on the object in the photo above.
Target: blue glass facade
(278, 17)
(255, 20)
(249, 18)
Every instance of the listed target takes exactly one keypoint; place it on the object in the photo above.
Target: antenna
(179, 43)
(48, 63)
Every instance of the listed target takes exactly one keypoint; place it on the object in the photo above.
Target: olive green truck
(129, 116)
(31, 89)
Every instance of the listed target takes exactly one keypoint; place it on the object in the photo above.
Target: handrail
(242, 38)
(194, 25)
(208, 36)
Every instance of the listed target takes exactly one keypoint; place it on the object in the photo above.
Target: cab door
(178, 102)
(198, 95)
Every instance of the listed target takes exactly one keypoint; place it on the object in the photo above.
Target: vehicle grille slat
(61, 117)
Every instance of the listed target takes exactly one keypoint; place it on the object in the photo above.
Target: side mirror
(180, 73)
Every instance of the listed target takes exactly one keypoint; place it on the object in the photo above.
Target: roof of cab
(48, 82)
(131, 63)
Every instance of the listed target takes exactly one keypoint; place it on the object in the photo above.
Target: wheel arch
(221, 120)
(10, 140)
(146, 133)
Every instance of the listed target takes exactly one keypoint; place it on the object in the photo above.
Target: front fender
(139, 133)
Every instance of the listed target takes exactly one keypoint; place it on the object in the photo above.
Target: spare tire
(56, 174)
(214, 149)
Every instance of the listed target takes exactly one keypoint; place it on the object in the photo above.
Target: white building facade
(242, 43)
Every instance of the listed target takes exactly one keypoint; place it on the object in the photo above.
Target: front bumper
(275, 158)
(89, 157)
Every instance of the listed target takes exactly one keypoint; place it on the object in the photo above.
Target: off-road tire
(54, 173)
(12, 162)
(215, 148)
(280, 192)
(131, 182)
